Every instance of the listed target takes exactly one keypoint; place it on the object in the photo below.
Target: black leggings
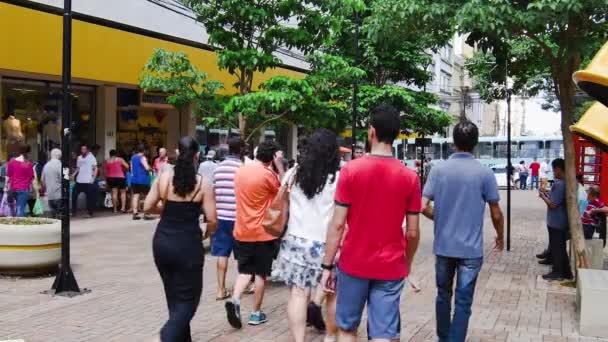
(180, 264)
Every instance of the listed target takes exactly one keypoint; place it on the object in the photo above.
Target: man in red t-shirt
(373, 195)
(535, 167)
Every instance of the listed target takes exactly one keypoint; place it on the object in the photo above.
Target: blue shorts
(382, 298)
(222, 241)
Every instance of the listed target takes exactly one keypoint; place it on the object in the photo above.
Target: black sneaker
(233, 312)
(543, 255)
(553, 276)
(545, 262)
(315, 317)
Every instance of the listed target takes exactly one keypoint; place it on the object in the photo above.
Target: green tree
(186, 86)
(249, 33)
(540, 43)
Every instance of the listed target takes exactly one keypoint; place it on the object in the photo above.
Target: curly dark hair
(319, 160)
(184, 178)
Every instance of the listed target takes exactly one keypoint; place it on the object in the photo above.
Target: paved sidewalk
(112, 256)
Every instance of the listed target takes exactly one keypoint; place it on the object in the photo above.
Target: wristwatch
(327, 267)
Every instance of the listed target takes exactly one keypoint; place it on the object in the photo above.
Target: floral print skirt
(299, 262)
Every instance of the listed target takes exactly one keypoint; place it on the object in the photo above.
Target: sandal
(136, 217)
(224, 296)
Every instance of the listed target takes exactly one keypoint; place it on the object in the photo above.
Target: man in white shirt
(86, 172)
(544, 174)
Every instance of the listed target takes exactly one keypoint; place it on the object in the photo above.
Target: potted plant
(29, 245)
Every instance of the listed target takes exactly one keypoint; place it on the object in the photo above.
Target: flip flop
(224, 296)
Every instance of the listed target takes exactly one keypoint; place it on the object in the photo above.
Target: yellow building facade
(107, 59)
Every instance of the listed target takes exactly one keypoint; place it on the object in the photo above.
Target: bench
(592, 302)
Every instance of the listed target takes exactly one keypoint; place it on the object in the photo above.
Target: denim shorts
(382, 298)
(222, 241)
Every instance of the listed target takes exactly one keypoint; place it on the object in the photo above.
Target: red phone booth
(592, 164)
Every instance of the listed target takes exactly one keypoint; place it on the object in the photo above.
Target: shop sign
(154, 100)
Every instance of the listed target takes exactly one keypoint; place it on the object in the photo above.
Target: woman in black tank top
(181, 196)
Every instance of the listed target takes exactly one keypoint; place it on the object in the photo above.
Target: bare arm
(498, 221)
(124, 164)
(144, 163)
(412, 234)
(334, 234)
(152, 201)
(546, 199)
(208, 206)
(427, 208)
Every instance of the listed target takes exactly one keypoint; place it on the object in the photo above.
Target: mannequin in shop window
(14, 134)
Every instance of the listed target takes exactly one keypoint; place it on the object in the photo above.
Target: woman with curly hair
(181, 196)
(311, 204)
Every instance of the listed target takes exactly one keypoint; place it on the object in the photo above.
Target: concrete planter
(29, 246)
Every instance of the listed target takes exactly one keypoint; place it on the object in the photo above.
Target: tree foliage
(172, 73)
(539, 44)
(249, 33)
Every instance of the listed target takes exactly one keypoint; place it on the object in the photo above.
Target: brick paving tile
(112, 256)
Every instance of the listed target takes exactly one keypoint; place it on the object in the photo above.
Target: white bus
(491, 151)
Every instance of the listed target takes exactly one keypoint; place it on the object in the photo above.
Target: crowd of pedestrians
(309, 227)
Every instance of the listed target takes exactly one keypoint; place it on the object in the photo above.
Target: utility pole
(509, 165)
(65, 282)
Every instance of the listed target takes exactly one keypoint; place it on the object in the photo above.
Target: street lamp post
(355, 89)
(65, 282)
(509, 165)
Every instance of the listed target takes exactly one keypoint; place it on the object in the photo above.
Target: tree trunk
(566, 96)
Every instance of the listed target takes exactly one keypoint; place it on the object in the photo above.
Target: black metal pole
(65, 282)
(355, 88)
(509, 165)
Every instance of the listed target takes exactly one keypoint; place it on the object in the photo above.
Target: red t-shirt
(378, 191)
(535, 166)
(20, 174)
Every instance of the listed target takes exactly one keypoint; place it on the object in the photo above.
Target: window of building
(31, 112)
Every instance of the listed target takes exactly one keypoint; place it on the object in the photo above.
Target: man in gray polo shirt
(557, 222)
(460, 188)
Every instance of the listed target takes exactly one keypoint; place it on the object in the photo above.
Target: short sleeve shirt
(378, 191)
(557, 218)
(460, 187)
(255, 187)
(86, 167)
(535, 167)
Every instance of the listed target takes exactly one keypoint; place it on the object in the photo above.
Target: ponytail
(184, 177)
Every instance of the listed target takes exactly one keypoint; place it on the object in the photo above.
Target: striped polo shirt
(223, 181)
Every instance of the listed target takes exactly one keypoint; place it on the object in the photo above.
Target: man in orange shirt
(255, 187)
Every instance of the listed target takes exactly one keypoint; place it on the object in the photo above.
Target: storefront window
(31, 115)
(139, 125)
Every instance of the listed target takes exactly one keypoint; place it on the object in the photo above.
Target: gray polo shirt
(460, 188)
(558, 217)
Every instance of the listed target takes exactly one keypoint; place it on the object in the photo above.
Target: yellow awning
(594, 79)
(593, 125)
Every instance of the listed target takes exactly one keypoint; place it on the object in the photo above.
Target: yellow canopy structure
(594, 79)
(593, 125)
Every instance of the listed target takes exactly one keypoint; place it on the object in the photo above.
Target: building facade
(111, 42)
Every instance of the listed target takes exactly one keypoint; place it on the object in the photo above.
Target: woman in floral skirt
(311, 204)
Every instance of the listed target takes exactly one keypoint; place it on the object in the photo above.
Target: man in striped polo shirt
(222, 242)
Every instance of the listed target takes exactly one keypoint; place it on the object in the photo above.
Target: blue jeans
(534, 181)
(21, 198)
(382, 298)
(454, 329)
(523, 182)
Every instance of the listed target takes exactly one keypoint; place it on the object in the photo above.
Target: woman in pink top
(160, 161)
(116, 180)
(19, 176)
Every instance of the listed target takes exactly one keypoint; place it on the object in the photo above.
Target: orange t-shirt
(255, 187)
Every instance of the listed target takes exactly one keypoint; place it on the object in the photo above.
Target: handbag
(275, 217)
(107, 202)
(38, 209)
(5, 207)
